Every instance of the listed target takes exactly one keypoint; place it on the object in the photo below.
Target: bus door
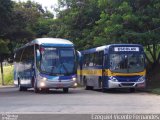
(104, 71)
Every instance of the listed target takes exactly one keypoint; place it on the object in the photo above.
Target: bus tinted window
(18, 55)
(57, 61)
(86, 60)
(28, 54)
(98, 58)
(91, 59)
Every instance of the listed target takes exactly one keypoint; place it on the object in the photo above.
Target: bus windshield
(127, 63)
(57, 61)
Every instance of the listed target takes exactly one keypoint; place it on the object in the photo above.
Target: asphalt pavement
(77, 101)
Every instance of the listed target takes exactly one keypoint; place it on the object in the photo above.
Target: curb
(7, 86)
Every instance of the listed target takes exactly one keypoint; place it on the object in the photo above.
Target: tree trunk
(150, 51)
(154, 52)
(2, 73)
(158, 59)
(147, 58)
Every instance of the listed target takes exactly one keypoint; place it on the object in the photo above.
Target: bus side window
(28, 54)
(101, 58)
(23, 56)
(31, 53)
(86, 60)
(17, 56)
(98, 58)
(91, 59)
(105, 60)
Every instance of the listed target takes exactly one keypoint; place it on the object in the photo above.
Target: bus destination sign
(126, 49)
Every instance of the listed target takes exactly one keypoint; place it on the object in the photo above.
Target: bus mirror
(79, 55)
(38, 55)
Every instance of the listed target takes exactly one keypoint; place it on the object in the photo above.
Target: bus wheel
(85, 84)
(36, 89)
(132, 90)
(89, 87)
(45, 90)
(20, 87)
(104, 89)
(65, 90)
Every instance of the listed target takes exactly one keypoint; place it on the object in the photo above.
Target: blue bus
(45, 63)
(113, 66)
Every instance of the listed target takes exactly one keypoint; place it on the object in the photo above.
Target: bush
(8, 75)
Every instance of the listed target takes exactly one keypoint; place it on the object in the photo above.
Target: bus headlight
(44, 79)
(74, 79)
(75, 84)
(141, 79)
(42, 84)
(113, 79)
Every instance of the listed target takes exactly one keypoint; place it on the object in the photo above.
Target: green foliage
(43, 27)
(5, 13)
(155, 91)
(27, 17)
(4, 47)
(8, 75)
(76, 22)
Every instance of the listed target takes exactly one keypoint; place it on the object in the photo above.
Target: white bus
(45, 63)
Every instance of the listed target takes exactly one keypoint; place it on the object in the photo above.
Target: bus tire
(36, 89)
(32, 82)
(104, 90)
(65, 90)
(85, 84)
(20, 87)
(89, 87)
(45, 90)
(84, 81)
(132, 90)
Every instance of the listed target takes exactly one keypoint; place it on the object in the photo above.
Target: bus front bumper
(112, 84)
(57, 84)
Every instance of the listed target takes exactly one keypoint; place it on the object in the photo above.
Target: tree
(5, 22)
(26, 18)
(75, 21)
(4, 53)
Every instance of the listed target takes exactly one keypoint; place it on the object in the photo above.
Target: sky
(44, 3)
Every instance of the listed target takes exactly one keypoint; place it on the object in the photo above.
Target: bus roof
(106, 47)
(40, 41)
(49, 42)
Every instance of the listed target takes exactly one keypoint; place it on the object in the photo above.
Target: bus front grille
(127, 84)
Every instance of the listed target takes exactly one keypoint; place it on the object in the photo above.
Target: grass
(8, 75)
(155, 91)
